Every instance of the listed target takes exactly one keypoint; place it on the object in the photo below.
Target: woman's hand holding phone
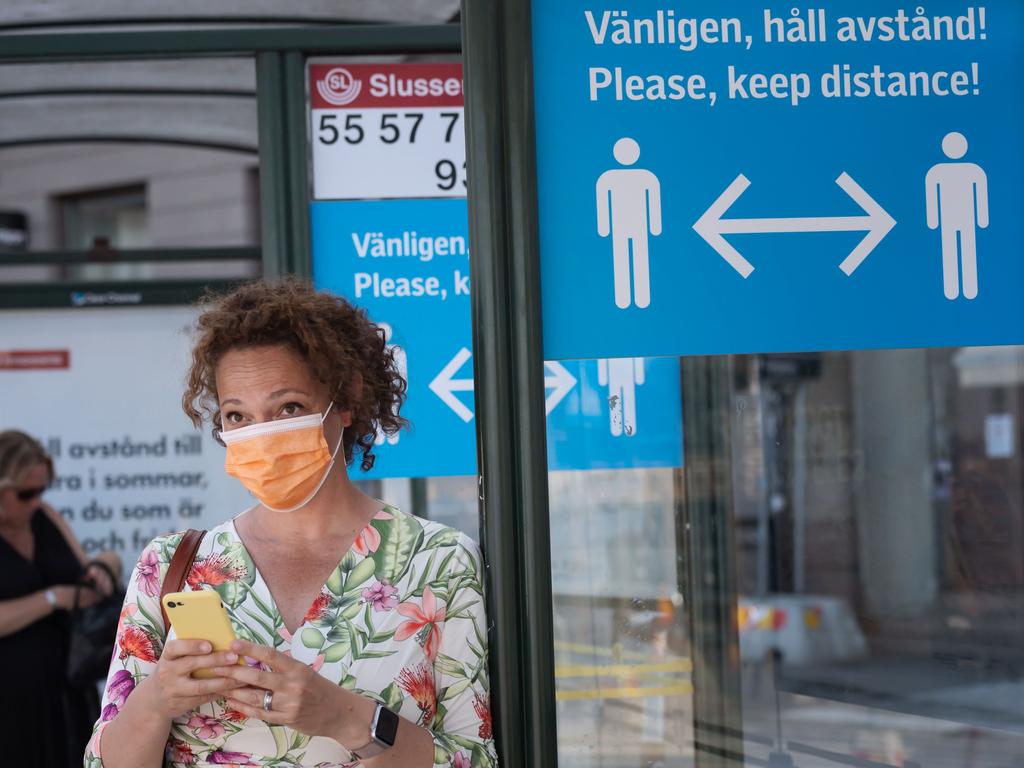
(203, 641)
(176, 691)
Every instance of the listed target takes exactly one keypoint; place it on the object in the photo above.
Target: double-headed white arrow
(445, 385)
(711, 226)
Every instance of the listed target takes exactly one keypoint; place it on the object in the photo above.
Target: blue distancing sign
(407, 263)
(726, 177)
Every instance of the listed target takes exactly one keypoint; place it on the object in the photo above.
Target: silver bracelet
(51, 598)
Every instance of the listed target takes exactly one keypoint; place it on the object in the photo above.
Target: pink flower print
(233, 759)
(205, 728)
(318, 662)
(109, 712)
(461, 760)
(121, 684)
(368, 539)
(180, 752)
(284, 633)
(319, 607)
(214, 570)
(423, 619)
(482, 707)
(382, 596)
(148, 570)
(94, 742)
(419, 683)
(136, 642)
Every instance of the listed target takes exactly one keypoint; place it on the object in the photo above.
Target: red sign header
(35, 360)
(365, 86)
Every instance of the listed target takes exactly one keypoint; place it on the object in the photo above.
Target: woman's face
(260, 384)
(18, 502)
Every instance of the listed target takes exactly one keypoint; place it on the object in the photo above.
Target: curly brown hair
(345, 350)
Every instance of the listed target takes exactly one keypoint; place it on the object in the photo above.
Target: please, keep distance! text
(378, 286)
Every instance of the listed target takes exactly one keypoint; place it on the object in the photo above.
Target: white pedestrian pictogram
(402, 366)
(622, 375)
(629, 209)
(957, 195)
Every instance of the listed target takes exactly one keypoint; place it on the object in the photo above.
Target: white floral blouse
(400, 620)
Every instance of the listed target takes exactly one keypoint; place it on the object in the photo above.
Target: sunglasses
(27, 494)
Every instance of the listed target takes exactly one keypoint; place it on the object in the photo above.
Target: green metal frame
(46, 258)
(343, 40)
(711, 571)
(509, 370)
(56, 295)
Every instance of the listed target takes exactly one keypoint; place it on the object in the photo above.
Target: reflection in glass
(876, 529)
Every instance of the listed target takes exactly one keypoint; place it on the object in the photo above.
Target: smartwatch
(383, 731)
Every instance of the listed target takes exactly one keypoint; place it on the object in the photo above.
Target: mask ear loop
(327, 473)
(324, 417)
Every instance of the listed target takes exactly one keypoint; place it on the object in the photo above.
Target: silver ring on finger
(268, 700)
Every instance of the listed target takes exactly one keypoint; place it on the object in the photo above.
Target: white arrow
(561, 380)
(711, 226)
(445, 385)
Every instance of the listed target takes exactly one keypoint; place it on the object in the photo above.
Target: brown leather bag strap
(177, 571)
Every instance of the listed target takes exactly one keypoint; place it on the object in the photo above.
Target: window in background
(154, 178)
(103, 222)
(110, 218)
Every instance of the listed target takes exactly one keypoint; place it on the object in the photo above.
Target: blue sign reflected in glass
(407, 263)
(726, 178)
(623, 413)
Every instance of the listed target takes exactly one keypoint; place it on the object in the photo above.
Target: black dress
(42, 722)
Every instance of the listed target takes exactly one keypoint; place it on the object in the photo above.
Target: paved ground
(891, 712)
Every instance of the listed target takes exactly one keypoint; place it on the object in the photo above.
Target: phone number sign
(385, 131)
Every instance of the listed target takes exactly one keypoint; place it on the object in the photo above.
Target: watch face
(387, 727)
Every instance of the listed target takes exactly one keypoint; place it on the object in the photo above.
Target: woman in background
(45, 723)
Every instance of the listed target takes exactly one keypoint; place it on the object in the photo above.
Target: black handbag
(93, 631)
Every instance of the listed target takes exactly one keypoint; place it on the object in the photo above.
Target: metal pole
(296, 150)
(717, 711)
(343, 40)
(509, 370)
(274, 220)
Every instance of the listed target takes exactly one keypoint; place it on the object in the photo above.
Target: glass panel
(836, 576)
(155, 154)
(452, 501)
(622, 655)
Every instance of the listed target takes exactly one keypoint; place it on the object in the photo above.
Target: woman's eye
(233, 417)
(292, 409)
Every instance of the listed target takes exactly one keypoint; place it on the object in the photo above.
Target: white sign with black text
(384, 131)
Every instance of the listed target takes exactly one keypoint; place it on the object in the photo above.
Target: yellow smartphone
(200, 615)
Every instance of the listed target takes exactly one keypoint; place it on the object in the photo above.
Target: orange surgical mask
(282, 463)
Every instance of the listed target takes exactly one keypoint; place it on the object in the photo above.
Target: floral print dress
(400, 620)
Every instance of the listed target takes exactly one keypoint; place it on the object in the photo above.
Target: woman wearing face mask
(40, 563)
(362, 627)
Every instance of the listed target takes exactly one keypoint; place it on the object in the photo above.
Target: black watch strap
(383, 732)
